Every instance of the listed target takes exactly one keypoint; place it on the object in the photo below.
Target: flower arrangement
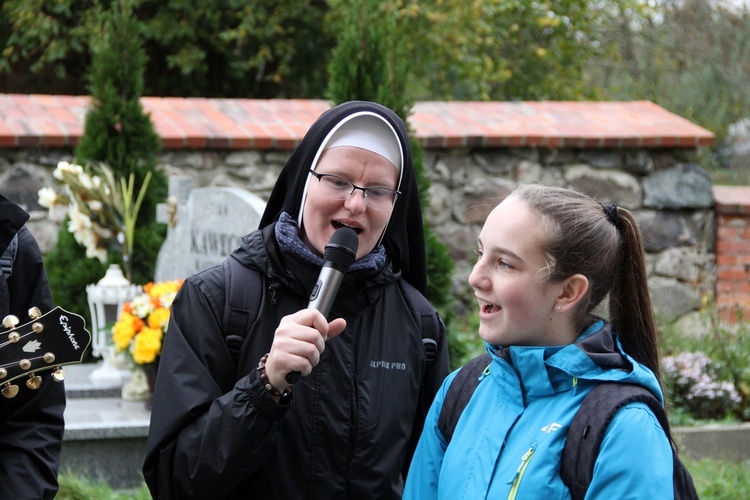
(693, 382)
(101, 208)
(143, 322)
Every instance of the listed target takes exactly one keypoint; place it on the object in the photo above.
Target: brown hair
(604, 244)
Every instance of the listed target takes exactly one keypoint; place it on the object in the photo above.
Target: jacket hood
(596, 356)
(404, 236)
(12, 219)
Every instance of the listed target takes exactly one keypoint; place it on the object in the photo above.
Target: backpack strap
(459, 393)
(589, 425)
(241, 304)
(426, 317)
(8, 257)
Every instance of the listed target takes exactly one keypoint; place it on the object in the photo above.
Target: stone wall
(671, 196)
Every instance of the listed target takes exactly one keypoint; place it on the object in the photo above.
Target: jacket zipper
(516, 481)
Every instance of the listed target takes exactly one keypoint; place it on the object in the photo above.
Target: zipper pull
(524, 459)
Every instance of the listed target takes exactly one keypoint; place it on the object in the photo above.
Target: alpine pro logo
(387, 365)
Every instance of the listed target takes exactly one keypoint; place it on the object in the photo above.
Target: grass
(720, 479)
(74, 487)
(714, 479)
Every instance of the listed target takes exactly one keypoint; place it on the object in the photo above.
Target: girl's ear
(573, 289)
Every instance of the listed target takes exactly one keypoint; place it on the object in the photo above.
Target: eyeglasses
(376, 197)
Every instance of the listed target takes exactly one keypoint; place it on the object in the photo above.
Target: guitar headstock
(47, 342)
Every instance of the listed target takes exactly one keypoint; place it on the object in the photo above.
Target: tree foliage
(689, 56)
(370, 63)
(456, 49)
(506, 49)
(213, 48)
(119, 134)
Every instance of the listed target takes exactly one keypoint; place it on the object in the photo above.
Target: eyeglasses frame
(396, 193)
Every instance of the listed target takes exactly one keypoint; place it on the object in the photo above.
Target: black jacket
(31, 424)
(355, 420)
(217, 433)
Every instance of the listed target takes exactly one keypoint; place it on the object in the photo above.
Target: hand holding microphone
(340, 253)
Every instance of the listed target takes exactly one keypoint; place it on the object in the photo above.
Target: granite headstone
(204, 226)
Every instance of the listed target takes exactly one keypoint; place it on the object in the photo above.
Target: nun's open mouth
(339, 225)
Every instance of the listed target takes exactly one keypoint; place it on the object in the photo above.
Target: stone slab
(724, 441)
(105, 436)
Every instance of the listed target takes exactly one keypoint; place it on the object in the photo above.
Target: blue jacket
(509, 440)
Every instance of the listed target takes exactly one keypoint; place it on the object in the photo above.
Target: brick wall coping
(199, 123)
(732, 200)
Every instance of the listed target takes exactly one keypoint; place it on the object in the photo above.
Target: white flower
(64, 168)
(94, 252)
(142, 305)
(78, 221)
(47, 197)
(167, 298)
(61, 167)
(86, 181)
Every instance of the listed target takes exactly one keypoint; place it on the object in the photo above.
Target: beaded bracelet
(264, 380)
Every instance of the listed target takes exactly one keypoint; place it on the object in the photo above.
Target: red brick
(727, 260)
(726, 233)
(732, 275)
(739, 247)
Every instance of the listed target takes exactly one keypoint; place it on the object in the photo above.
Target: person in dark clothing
(348, 428)
(31, 422)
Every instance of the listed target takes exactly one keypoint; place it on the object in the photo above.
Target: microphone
(340, 253)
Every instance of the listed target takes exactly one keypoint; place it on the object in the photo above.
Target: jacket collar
(596, 356)
(12, 219)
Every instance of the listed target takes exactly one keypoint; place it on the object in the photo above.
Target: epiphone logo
(68, 332)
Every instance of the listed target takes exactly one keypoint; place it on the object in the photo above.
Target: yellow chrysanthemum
(158, 318)
(124, 330)
(147, 345)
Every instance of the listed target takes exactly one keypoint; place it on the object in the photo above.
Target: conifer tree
(369, 64)
(120, 135)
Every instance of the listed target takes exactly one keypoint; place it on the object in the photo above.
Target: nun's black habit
(216, 432)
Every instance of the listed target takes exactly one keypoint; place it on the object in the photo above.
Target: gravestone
(204, 226)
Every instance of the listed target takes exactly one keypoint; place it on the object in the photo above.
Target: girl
(547, 257)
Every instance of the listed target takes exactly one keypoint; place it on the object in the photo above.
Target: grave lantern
(106, 299)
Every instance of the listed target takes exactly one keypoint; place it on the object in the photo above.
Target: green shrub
(706, 372)
(119, 134)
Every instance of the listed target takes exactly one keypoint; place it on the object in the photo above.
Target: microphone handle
(321, 298)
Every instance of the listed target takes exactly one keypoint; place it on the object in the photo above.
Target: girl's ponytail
(630, 309)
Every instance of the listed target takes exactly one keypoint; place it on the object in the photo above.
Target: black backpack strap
(243, 289)
(8, 257)
(459, 393)
(425, 316)
(587, 432)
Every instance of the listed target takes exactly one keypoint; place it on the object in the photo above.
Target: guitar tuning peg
(10, 321)
(34, 382)
(35, 313)
(58, 375)
(9, 391)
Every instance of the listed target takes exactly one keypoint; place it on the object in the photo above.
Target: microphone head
(341, 249)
